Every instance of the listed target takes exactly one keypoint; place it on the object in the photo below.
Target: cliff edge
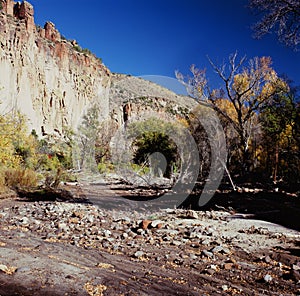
(49, 79)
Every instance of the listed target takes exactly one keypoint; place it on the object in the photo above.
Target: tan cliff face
(45, 76)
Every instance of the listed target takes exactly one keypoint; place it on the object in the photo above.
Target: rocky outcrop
(45, 76)
(133, 98)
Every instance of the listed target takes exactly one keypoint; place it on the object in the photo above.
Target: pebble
(63, 227)
(24, 220)
(156, 224)
(145, 224)
(106, 232)
(176, 243)
(125, 235)
(207, 254)
(225, 288)
(139, 254)
(268, 278)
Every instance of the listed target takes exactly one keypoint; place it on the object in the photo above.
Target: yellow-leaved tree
(247, 89)
(18, 153)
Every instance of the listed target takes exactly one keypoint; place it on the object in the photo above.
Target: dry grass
(17, 178)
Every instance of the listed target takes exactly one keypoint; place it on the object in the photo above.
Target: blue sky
(157, 37)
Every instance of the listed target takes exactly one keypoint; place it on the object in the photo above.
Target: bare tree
(281, 16)
(246, 88)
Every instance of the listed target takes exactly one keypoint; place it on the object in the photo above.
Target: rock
(207, 254)
(220, 249)
(24, 221)
(178, 261)
(145, 224)
(193, 256)
(157, 224)
(106, 233)
(124, 235)
(48, 106)
(268, 259)
(206, 242)
(167, 238)
(217, 249)
(190, 214)
(268, 278)
(225, 288)
(176, 243)
(228, 266)
(138, 254)
(7, 270)
(171, 232)
(63, 227)
(140, 231)
(296, 266)
(3, 267)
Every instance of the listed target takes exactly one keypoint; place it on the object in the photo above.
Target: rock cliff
(53, 81)
(49, 79)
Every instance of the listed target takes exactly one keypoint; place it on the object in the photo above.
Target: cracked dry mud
(62, 248)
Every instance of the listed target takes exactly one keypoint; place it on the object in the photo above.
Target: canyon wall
(49, 79)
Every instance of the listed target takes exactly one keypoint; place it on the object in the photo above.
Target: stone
(296, 266)
(106, 232)
(176, 243)
(268, 278)
(140, 231)
(124, 235)
(268, 259)
(24, 221)
(225, 288)
(206, 242)
(190, 214)
(138, 254)
(145, 224)
(63, 227)
(207, 254)
(157, 224)
(228, 266)
(193, 256)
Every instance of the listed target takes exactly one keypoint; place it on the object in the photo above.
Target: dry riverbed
(64, 248)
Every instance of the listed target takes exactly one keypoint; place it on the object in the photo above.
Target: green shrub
(105, 167)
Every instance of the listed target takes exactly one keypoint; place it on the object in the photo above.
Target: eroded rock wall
(45, 76)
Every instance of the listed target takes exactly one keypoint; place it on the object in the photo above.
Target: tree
(88, 131)
(282, 16)
(247, 88)
(151, 139)
(280, 148)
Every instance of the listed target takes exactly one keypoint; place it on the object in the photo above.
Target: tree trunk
(276, 163)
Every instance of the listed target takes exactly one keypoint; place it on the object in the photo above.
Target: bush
(151, 136)
(18, 178)
(105, 167)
